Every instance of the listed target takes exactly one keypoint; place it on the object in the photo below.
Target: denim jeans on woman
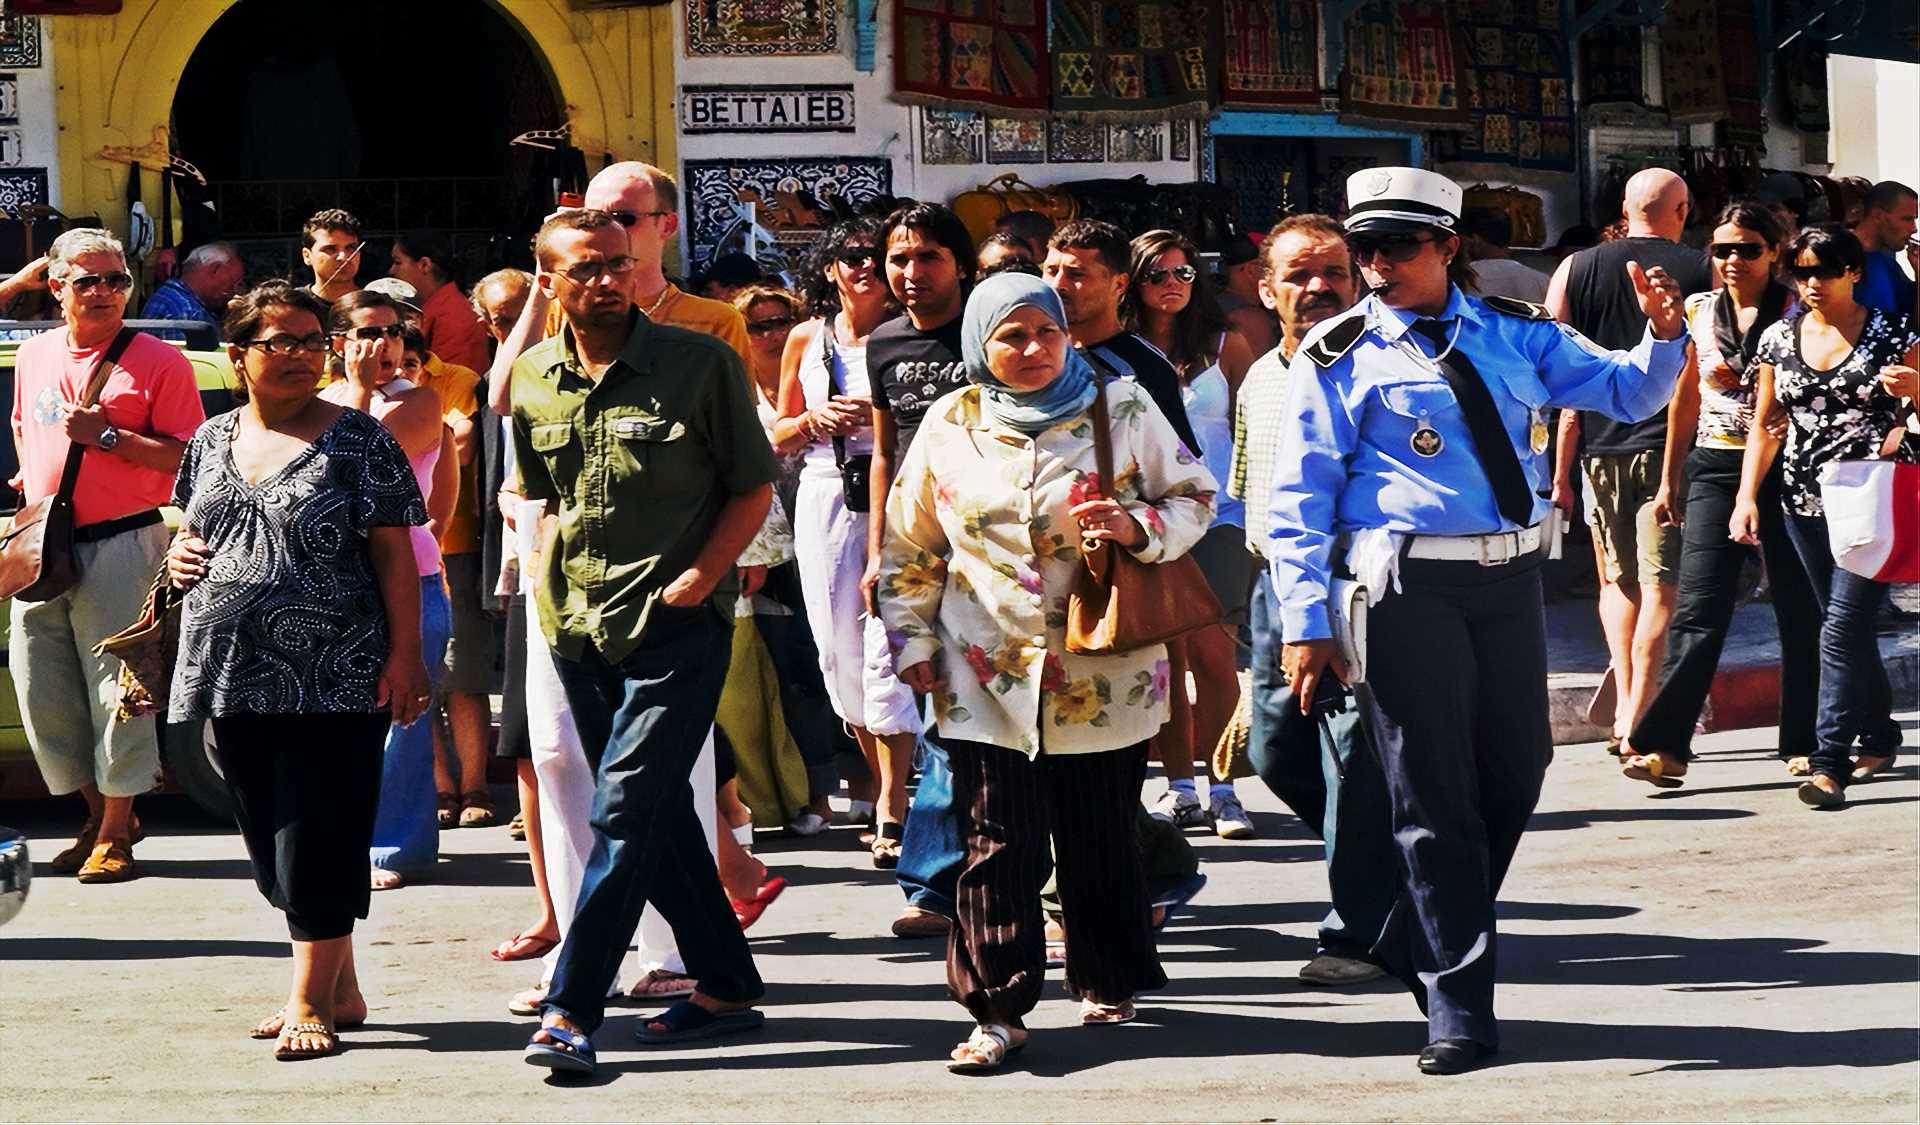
(1856, 702)
(406, 829)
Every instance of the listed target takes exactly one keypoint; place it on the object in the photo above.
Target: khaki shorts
(1633, 548)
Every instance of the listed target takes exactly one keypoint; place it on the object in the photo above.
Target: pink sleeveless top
(426, 550)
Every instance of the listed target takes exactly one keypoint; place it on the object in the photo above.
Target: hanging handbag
(1873, 518)
(1118, 603)
(1230, 758)
(981, 207)
(37, 562)
(146, 650)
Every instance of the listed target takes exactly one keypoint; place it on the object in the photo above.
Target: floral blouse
(1841, 414)
(980, 554)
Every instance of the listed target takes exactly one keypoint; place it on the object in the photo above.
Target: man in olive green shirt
(643, 440)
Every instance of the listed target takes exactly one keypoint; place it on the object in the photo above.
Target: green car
(183, 749)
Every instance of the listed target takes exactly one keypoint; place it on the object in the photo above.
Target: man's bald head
(632, 186)
(1655, 204)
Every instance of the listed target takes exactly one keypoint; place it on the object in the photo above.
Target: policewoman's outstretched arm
(1624, 385)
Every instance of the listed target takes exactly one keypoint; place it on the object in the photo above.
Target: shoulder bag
(1118, 603)
(146, 650)
(37, 562)
(855, 471)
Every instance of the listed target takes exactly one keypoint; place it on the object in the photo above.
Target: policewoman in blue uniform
(1412, 462)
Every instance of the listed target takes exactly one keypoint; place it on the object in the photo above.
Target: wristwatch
(108, 438)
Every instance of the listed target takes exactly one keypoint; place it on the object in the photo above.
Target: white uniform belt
(1487, 550)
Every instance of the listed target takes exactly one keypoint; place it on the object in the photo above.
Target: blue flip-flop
(1179, 896)
(687, 1021)
(573, 1053)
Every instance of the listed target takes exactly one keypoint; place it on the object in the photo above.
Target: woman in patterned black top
(1845, 376)
(299, 637)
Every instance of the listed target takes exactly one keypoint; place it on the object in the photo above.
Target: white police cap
(1394, 199)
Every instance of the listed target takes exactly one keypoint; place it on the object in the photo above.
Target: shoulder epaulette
(1513, 306)
(1335, 341)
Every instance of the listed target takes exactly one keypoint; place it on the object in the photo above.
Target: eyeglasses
(117, 281)
(769, 326)
(1819, 272)
(1397, 247)
(628, 218)
(374, 332)
(1183, 274)
(287, 344)
(855, 257)
(1745, 251)
(586, 273)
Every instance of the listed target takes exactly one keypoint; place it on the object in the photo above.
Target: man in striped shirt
(1309, 763)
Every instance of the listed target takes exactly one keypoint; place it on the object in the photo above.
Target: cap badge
(1379, 183)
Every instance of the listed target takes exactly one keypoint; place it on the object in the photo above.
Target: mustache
(1318, 300)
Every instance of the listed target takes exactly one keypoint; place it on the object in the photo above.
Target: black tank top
(1601, 305)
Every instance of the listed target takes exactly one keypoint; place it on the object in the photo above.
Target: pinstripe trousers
(996, 956)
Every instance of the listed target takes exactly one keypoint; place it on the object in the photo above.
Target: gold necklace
(661, 300)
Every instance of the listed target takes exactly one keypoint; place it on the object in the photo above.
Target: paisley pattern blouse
(288, 619)
(980, 554)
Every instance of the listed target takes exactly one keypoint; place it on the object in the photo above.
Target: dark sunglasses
(628, 218)
(769, 326)
(854, 257)
(1819, 272)
(1397, 247)
(287, 344)
(1183, 274)
(374, 332)
(116, 281)
(1745, 251)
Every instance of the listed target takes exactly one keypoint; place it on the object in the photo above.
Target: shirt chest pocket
(645, 444)
(559, 450)
(1413, 403)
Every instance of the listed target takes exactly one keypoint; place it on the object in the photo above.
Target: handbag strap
(1102, 438)
(97, 382)
(829, 359)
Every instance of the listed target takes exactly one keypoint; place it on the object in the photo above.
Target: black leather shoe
(1451, 1056)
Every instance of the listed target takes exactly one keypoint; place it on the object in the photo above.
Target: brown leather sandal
(476, 810)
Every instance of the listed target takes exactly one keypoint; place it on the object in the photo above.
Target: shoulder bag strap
(1102, 438)
(97, 382)
(828, 357)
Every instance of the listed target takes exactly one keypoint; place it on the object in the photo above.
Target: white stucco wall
(1876, 118)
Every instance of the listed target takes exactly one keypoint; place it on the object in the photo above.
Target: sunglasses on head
(374, 332)
(1820, 271)
(628, 218)
(1745, 251)
(117, 281)
(1183, 274)
(772, 324)
(854, 257)
(1397, 247)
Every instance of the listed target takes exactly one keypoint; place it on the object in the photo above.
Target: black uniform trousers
(1710, 563)
(1455, 702)
(1012, 804)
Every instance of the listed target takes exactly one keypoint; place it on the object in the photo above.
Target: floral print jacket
(980, 554)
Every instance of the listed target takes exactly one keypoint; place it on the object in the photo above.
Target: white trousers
(566, 783)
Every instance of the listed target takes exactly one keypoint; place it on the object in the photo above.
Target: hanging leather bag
(146, 650)
(992, 201)
(1120, 604)
(37, 561)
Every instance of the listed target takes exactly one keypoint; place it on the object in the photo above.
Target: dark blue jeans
(1322, 769)
(1855, 699)
(931, 853)
(642, 723)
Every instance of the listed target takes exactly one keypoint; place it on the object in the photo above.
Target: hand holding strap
(97, 382)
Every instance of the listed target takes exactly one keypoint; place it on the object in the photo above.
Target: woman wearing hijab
(985, 527)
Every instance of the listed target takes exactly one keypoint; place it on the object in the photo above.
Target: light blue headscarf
(1030, 412)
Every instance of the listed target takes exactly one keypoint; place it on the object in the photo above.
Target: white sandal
(1095, 1014)
(987, 1049)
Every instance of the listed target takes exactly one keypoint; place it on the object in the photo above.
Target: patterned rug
(1691, 63)
(1131, 60)
(787, 200)
(1745, 123)
(1272, 52)
(1516, 83)
(971, 54)
(763, 27)
(1610, 64)
(1400, 66)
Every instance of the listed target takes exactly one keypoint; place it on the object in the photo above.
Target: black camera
(855, 473)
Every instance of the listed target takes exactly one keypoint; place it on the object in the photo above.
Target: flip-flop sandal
(283, 1050)
(447, 810)
(569, 1051)
(1179, 896)
(521, 947)
(259, 1030)
(476, 810)
(1801, 766)
(660, 984)
(886, 844)
(517, 827)
(1651, 768)
(1095, 1014)
(688, 1021)
(1056, 955)
(987, 1049)
(1868, 773)
(748, 911)
(808, 824)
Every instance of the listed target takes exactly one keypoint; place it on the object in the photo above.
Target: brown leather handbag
(983, 206)
(37, 562)
(1118, 603)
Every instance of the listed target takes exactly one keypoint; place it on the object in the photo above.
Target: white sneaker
(1229, 820)
(1178, 808)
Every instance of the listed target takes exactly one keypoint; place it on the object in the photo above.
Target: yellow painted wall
(115, 78)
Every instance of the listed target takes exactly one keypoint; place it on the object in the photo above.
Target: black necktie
(1491, 446)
